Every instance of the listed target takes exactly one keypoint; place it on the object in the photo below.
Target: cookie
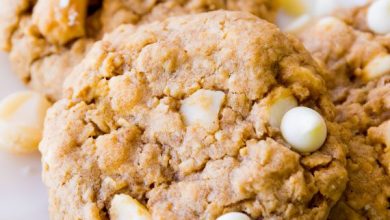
(358, 63)
(180, 120)
(46, 38)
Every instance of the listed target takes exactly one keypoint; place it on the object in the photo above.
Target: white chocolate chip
(304, 129)
(377, 67)
(21, 121)
(378, 16)
(124, 207)
(202, 108)
(233, 216)
(279, 107)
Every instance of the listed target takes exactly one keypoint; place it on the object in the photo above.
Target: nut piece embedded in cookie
(21, 121)
(377, 67)
(123, 207)
(378, 17)
(202, 108)
(304, 129)
(233, 216)
(60, 20)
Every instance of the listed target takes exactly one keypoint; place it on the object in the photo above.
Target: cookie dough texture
(10, 12)
(366, 112)
(60, 21)
(362, 101)
(119, 129)
(46, 38)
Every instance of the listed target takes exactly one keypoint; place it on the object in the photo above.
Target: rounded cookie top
(47, 38)
(183, 116)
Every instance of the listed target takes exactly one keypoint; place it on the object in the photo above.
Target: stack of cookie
(191, 109)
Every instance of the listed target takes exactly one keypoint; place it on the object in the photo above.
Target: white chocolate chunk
(377, 67)
(202, 108)
(21, 121)
(279, 107)
(124, 207)
(233, 216)
(304, 129)
(378, 16)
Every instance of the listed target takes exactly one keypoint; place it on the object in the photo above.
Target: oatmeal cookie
(180, 117)
(358, 63)
(47, 38)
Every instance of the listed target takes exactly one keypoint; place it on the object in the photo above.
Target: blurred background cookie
(354, 46)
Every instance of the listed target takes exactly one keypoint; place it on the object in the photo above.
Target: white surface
(22, 194)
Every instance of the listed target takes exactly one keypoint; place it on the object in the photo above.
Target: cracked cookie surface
(46, 38)
(122, 127)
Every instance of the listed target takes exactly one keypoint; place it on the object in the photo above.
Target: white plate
(22, 194)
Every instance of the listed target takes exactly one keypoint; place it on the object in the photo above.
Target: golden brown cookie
(358, 61)
(47, 38)
(179, 115)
